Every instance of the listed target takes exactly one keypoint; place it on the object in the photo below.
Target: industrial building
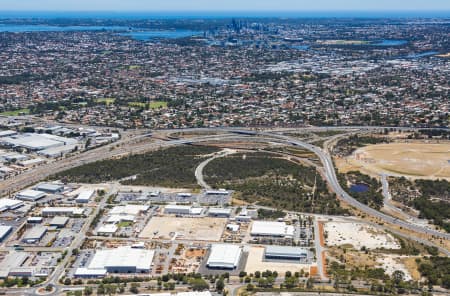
(220, 212)
(133, 210)
(49, 188)
(59, 222)
(273, 229)
(34, 235)
(36, 142)
(107, 229)
(62, 211)
(120, 260)
(285, 253)
(217, 192)
(30, 195)
(34, 220)
(4, 232)
(182, 210)
(9, 204)
(12, 261)
(84, 196)
(224, 256)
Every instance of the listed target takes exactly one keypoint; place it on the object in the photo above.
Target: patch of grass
(106, 101)
(158, 104)
(124, 224)
(16, 112)
(134, 67)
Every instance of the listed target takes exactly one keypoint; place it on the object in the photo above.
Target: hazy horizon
(228, 6)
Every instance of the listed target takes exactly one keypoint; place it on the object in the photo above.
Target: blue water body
(359, 188)
(390, 42)
(421, 55)
(300, 47)
(220, 14)
(148, 35)
(46, 28)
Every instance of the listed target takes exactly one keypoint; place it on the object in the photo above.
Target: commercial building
(133, 210)
(273, 229)
(107, 229)
(220, 212)
(12, 261)
(34, 235)
(9, 204)
(83, 272)
(224, 256)
(50, 188)
(121, 260)
(30, 195)
(217, 192)
(182, 210)
(62, 211)
(4, 232)
(59, 222)
(34, 220)
(285, 253)
(84, 196)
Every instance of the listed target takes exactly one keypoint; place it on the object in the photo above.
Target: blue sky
(225, 5)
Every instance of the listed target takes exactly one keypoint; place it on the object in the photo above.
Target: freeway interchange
(139, 143)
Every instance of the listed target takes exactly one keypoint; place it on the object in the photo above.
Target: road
(133, 145)
(199, 169)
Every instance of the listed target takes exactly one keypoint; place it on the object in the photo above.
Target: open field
(197, 229)
(255, 262)
(106, 101)
(358, 235)
(416, 160)
(15, 112)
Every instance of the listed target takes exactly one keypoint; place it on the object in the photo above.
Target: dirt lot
(415, 160)
(255, 263)
(197, 229)
(358, 235)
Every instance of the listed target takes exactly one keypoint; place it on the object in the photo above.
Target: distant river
(138, 34)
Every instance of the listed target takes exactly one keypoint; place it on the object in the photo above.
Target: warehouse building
(59, 222)
(12, 261)
(273, 229)
(122, 260)
(84, 196)
(285, 253)
(34, 235)
(224, 256)
(182, 210)
(4, 232)
(9, 204)
(50, 188)
(219, 212)
(107, 229)
(132, 210)
(30, 195)
(62, 211)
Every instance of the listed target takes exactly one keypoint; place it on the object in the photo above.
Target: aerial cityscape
(240, 148)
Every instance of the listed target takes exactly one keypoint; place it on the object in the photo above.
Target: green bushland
(171, 167)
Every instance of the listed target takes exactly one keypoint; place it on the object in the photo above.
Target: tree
(134, 288)
(398, 276)
(199, 284)
(67, 282)
(88, 291)
(220, 285)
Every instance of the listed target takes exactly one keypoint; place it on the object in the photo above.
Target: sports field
(416, 160)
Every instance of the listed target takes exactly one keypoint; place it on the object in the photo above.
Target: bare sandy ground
(415, 160)
(392, 263)
(255, 262)
(358, 235)
(197, 229)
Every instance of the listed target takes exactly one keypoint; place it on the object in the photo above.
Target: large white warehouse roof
(265, 228)
(224, 256)
(123, 257)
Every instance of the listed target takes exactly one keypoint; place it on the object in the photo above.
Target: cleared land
(392, 263)
(358, 235)
(416, 160)
(197, 229)
(255, 262)
(15, 112)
